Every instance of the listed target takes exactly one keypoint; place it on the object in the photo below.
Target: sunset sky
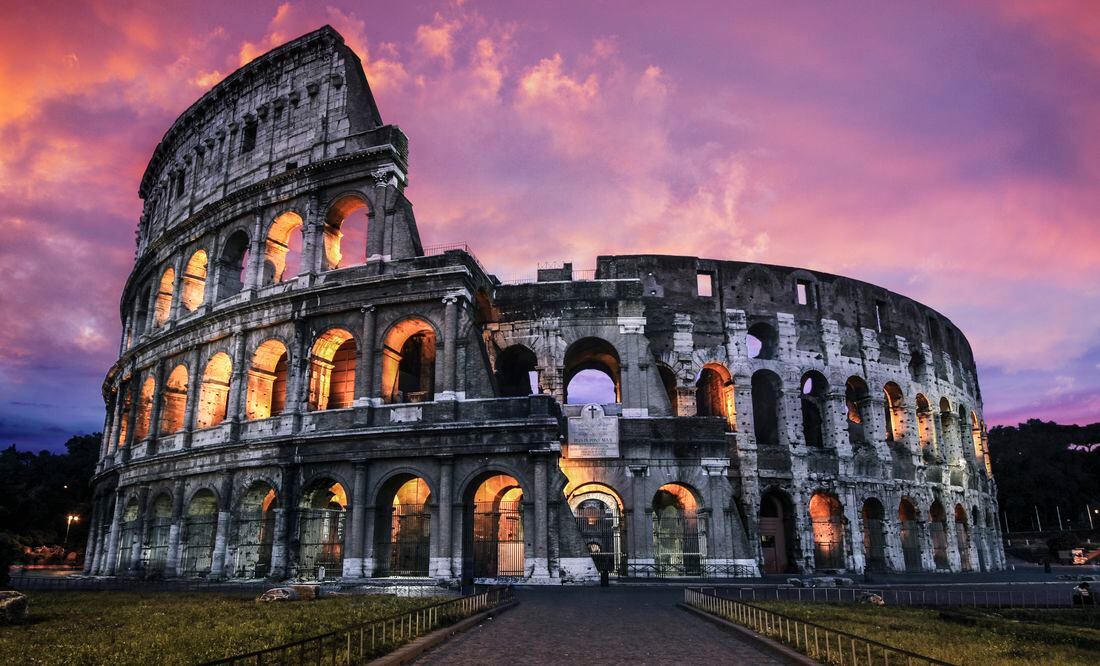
(947, 151)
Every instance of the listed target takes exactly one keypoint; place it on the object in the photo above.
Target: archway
(145, 409)
(679, 532)
(827, 519)
(668, 381)
(766, 395)
(162, 308)
(776, 527)
(909, 532)
(332, 371)
(254, 533)
(592, 373)
(937, 525)
(874, 535)
(214, 394)
(322, 515)
(403, 527)
(232, 264)
(160, 527)
(193, 289)
(408, 362)
(857, 399)
(894, 412)
(926, 429)
(283, 249)
(345, 233)
(814, 390)
(267, 381)
(174, 401)
(714, 394)
(597, 511)
(962, 538)
(127, 535)
(496, 537)
(762, 341)
(197, 539)
(516, 372)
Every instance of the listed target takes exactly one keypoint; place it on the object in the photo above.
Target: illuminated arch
(193, 289)
(827, 519)
(145, 409)
(332, 371)
(283, 248)
(408, 361)
(174, 401)
(163, 305)
(267, 381)
(714, 394)
(345, 232)
(214, 392)
(600, 357)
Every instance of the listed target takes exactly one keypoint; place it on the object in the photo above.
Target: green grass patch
(976, 637)
(169, 628)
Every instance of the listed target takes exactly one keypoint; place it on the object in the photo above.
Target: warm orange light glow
(277, 251)
(174, 401)
(214, 394)
(408, 362)
(267, 381)
(193, 290)
(332, 371)
(163, 306)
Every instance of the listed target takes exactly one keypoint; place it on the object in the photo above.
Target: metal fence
(358, 643)
(819, 642)
(241, 588)
(1037, 596)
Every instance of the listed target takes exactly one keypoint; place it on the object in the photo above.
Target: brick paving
(596, 625)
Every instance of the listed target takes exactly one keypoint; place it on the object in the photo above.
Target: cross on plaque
(592, 409)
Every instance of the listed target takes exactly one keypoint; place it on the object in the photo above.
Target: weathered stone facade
(290, 404)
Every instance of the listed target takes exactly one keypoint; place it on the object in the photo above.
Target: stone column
(172, 557)
(221, 536)
(257, 245)
(177, 288)
(98, 534)
(92, 547)
(194, 387)
(134, 389)
(312, 245)
(641, 526)
(112, 541)
(542, 527)
(450, 328)
(442, 566)
(154, 410)
(298, 381)
(353, 560)
(364, 373)
(238, 384)
(116, 422)
(136, 565)
(281, 537)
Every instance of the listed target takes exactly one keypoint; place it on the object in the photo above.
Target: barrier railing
(1037, 596)
(358, 643)
(819, 642)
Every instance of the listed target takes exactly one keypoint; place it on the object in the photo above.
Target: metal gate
(962, 539)
(874, 544)
(498, 539)
(198, 544)
(910, 545)
(321, 542)
(156, 555)
(939, 545)
(254, 537)
(828, 543)
(410, 539)
(679, 545)
(126, 536)
(603, 537)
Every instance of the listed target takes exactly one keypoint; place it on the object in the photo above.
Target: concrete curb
(764, 644)
(406, 653)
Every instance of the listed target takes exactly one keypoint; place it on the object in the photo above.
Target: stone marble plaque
(593, 434)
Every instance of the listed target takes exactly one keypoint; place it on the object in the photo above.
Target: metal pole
(1088, 511)
(1005, 516)
(1037, 519)
(1059, 510)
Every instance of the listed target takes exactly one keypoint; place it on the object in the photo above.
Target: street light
(69, 520)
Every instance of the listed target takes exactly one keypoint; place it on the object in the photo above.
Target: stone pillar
(172, 557)
(177, 289)
(641, 526)
(221, 536)
(257, 245)
(194, 388)
(238, 384)
(364, 372)
(542, 527)
(281, 538)
(92, 547)
(298, 380)
(98, 535)
(131, 419)
(353, 560)
(136, 565)
(154, 411)
(442, 566)
(450, 328)
(112, 541)
(116, 422)
(312, 246)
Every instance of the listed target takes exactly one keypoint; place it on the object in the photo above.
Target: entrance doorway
(827, 517)
(874, 536)
(404, 528)
(679, 532)
(497, 545)
(775, 523)
(598, 515)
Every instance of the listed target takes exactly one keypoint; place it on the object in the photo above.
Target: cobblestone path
(596, 626)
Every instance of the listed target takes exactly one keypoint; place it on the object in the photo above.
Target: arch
(827, 519)
(127, 535)
(174, 401)
(495, 536)
(595, 354)
(145, 409)
(141, 311)
(962, 537)
(776, 527)
(193, 287)
(408, 361)
(857, 399)
(874, 534)
(679, 531)
(345, 233)
(937, 525)
(232, 263)
(321, 521)
(598, 512)
(767, 392)
(762, 341)
(403, 526)
(214, 392)
(894, 411)
(815, 389)
(916, 366)
(332, 371)
(163, 305)
(267, 381)
(125, 394)
(197, 537)
(668, 381)
(976, 436)
(254, 531)
(159, 523)
(926, 429)
(714, 394)
(909, 534)
(283, 248)
(516, 372)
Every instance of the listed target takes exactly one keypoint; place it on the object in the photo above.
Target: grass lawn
(1025, 636)
(168, 628)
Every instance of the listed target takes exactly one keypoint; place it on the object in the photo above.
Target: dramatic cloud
(949, 153)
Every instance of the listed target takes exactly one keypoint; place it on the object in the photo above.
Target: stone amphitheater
(305, 391)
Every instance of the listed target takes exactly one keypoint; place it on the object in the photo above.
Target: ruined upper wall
(301, 103)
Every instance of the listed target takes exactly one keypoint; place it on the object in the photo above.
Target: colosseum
(304, 390)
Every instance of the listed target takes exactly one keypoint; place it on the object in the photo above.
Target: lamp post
(69, 520)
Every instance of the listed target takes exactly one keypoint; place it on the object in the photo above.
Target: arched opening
(283, 249)
(141, 312)
(267, 381)
(496, 538)
(982, 537)
(597, 510)
(815, 388)
(962, 537)
(909, 532)
(322, 515)
(714, 394)
(762, 341)
(145, 409)
(125, 394)
(777, 543)
(174, 401)
(592, 372)
(827, 518)
(668, 381)
(163, 306)
(332, 371)
(403, 527)
(857, 399)
(949, 430)
(232, 264)
(894, 412)
(937, 525)
(874, 535)
(516, 372)
(916, 366)
(926, 430)
(976, 436)
(214, 394)
(254, 531)
(193, 289)
(767, 391)
(679, 532)
(408, 362)
(200, 524)
(160, 527)
(345, 234)
(127, 534)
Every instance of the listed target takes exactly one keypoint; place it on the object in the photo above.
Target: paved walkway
(596, 625)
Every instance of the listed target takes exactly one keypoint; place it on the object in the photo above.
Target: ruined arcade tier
(304, 390)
